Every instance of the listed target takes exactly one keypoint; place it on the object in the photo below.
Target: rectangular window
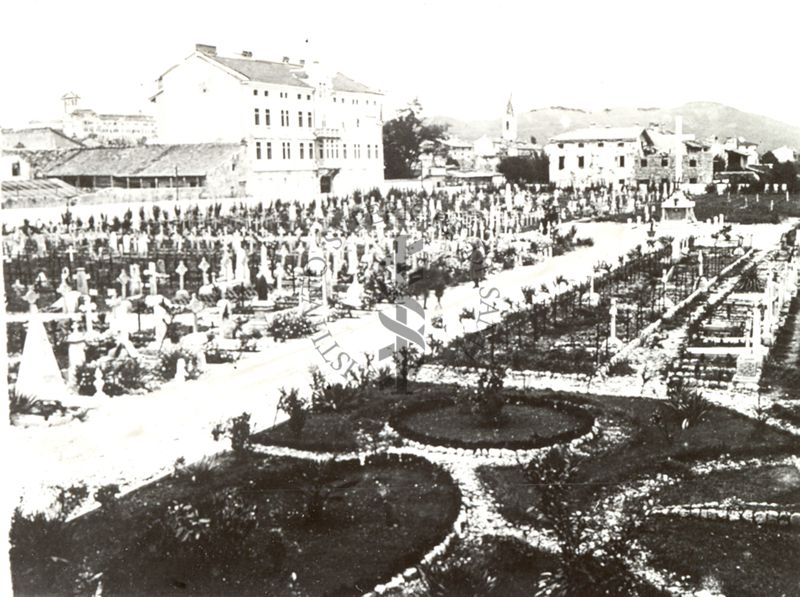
(308, 97)
(310, 151)
(302, 151)
(288, 151)
(620, 144)
(693, 180)
(664, 162)
(267, 119)
(258, 150)
(580, 144)
(256, 117)
(643, 163)
(299, 96)
(266, 93)
(15, 169)
(255, 91)
(580, 160)
(601, 144)
(344, 151)
(622, 161)
(561, 160)
(300, 119)
(269, 150)
(308, 115)
(561, 146)
(693, 163)
(369, 151)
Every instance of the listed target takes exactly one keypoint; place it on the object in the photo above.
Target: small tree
(296, 407)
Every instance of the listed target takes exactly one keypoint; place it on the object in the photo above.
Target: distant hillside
(704, 119)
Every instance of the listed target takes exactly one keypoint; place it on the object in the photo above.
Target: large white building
(307, 130)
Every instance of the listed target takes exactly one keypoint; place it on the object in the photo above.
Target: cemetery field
(575, 330)
(771, 208)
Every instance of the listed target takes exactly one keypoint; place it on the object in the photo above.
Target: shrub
(40, 546)
(202, 471)
(584, 567)
(464, 575)
(120, 376)
(240, 433)
(216, 356)
(296, 407)
(335, 397)
(168, 363)
(106, 495)
(21, 404)
(621, 368)
(320, 488)
(287, 326)
(486, 400)
(689, 405)
(407, 361)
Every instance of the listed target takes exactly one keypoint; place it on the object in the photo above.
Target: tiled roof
(148, 160)
(630, 133)
(19, 191)
(344, 83)
(282, 73)
(278, 73)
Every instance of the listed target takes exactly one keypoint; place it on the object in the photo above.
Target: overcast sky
(461, 59)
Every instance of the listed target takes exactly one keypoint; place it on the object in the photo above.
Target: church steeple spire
(509, 132)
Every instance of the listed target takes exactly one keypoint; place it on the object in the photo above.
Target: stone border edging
(714, 512)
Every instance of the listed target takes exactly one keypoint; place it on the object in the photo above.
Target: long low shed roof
(145, 161)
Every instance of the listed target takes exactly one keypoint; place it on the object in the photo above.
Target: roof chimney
(247, 54)
(205, 49)
(286, 60)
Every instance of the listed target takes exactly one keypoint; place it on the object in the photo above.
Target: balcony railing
(327, 133)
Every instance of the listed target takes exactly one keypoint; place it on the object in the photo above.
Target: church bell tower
(509, 133)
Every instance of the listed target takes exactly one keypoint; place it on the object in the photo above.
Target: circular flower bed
(527, 423)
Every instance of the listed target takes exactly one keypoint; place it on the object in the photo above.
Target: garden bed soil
(529, 423)
(322, 432)
(335, 432)
(779, 484)
(644, 451)
(738, 558)
(356, 543)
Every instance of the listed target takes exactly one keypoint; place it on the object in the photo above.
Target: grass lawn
(736, 559)
(435, 414)
(521, 424)
(380, 519)
(778, 484)
(644, 451)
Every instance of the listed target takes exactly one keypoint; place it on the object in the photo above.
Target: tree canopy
(402, 140)
(519, 169)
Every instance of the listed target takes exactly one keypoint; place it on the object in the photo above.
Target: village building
(105, 129)
(596, 156)
(148, 172)
(36, 138)
(627, 157)
(307, 130)
(784, 154)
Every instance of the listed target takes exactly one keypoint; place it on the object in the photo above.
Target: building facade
(628, 157)
(307, 130)
(595, 156)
